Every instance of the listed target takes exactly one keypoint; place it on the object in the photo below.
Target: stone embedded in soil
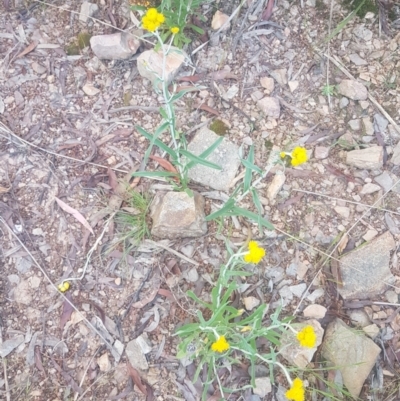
(177, 215)
(343, 211)
(90, 90)
(370, 188)
(268, 84)
(22, 293)
(8, 346)
(370, 158)
(225, 155)
(384, 180)
(370, 235)
(87, 10)
(150, 64)
(250, 303)
(365, 271)
(263, 386)
(351, 352)
(291, 349)
(355, 125)
(353, 90)
(343, 102)
(368, 126)
(136, 355)
(104, 362)
(298, 289)
(359, 317)
(219, 19)
(276, 185)
(280, 75)
(270, 106)
(356, 59)
(321, 152)
(117, 46)
(315, 311)
(396, 155)
(371, 331)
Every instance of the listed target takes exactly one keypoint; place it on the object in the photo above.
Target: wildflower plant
(228, 336)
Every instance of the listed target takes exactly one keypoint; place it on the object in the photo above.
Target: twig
(167, 248)
(345, 200)
(128, 108)
(329, 51)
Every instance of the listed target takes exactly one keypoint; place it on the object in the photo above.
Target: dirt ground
(58, 146)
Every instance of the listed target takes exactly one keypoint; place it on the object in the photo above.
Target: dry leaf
(209, 109)
(148, 299)
(191, 78)
(74, 213)
(267, 13)
(112, 179)
(67, 310)
(343, 243)
(222, 74)
(134, 374)
(38, 360)
(166, 293)
(164, 163)
(4, 190)
(28, 49)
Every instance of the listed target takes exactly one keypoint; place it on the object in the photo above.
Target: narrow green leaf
(152, 174)
(249, 171)
(196, 29)
(157, 142)
(224, 211)
(238, 211)
(199, 160)
(192, 295)
(163, 113)
(207, 152)
(252, 167)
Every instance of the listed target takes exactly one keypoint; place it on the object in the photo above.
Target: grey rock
(298, 289)
(79, 76)
(318, 293)
(270, 106)
(355, 125)
(357, 60)
(226, 156)
(363, 33)
(38, 68)
(396, 155)
(353, 90)
(384, 180)
(392, 297)
(177, 215)
(90, 89)
(22, 293)
(117, 46)
(280, 75)
(136, 355)
(263, 386)
(321, 152)
(351, 352)
(380, 123)
(370, 158)
(393, 227)
(315, 311)
(370, 188)
(368, 126)
(191, 275)
(365, 271)
(276, 185)
(292, 351)
(9, 345)
(344, 102)
(359, 317)
(87, 10)
(343, 211)
(259, 371)
(150, 64)
(371, 331)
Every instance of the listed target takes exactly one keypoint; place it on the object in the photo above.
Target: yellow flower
(152, 13)
(299, 156)
(160, 18)
(245, 328)
(307, 337)
(64, 286)
(152, 19)
(255, 253)
(282, 155)
(296, 392)
(221, 345)
(175, 30)
(240, 312)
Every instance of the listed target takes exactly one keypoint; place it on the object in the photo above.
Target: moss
(366, 6)
(72, 50)
(84, 39)
(219, 127)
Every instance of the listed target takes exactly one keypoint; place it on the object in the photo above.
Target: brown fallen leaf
(164, 163)
(191, 78)
(222, 74)
(74, 213)
(134, 374)
(38, 360)
(28, 49)
(267, 13)
(112, 179)
(148, 299)
(67, 310)
(209, 109)
(166, 293)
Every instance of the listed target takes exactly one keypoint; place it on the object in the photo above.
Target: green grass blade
(199, 160)
(238, 211)
(207, 152)
(157, 142)
(152, 174)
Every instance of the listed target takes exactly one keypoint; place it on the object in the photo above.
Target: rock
(292, 351)
(318, 293)
(365, 271)
(321, 152)
(343, 102)
(355, 125)
(87, 10)
(280, 75)
(150, 64)
(79, 76)
(384, 180)
(343, 211)
(250, 303)
(104, 362)
(22, 294)
(315, 311)
(370, 234)
(396, 155)
(38, 68)
(263, 386)
(276, 185)
(353, 90)
(268, 84)
(356, 59)
(37, 231)
(352, 353)
(226, 156)
(218, 21)
(369, 158)
(368, 126)
(90, 90)
(298, 289)
(359, 317)
(117, 46)
(191, 275)
(363, 33)
(371, 331)
(177, 215)
(270, 106)
(9, 345)
(136, 355)
(392, 297)
(370, 189)
(393, 227)
(293, 85)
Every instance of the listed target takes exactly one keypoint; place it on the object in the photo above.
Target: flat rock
(321, 152)
(276, 185)
(270, 106)
(343, 211)
(363, 33)
(370, 188)
(90, 90)
(370, 235)
(396, 155)
(280, 75)
(268, 84)
(355, 125)
(298, 289)
(365, 271)
(250, 303)
(226, 156)
(22, 293)
(371, 330)
(315, 311)
(292, 351)
(136, 355)
(356, 59)
(87, 10)
(177, 215)
(384, 180)
(353, 90)
(150, 64)
(9, 345)
(263, 386)
(117, 46)
(368, 126)
(369, 158)
(351, 352)
(104, 362)
(219, 19)
(343, 102)
(359, 317)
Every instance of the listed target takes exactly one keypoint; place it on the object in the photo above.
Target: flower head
(307, 337)
(221, 345)
(64, 286)
(255, 254)
(282, 155)
(175, 30)
(152, 19)
(296, 392)
(299, 156)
